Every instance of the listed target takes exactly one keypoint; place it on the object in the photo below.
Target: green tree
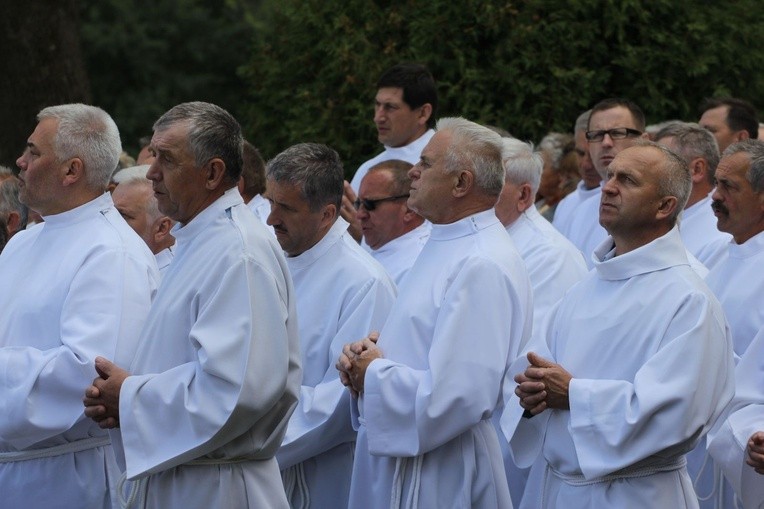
(144, 58)
(527, 66)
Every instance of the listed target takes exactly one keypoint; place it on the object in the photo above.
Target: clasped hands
(355, 359)
(102, 398)
(543, 385)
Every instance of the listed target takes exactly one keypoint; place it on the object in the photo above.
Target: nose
(607, 141)
(361, 213)
(272, 219)
(379, 114)
(608, 186)
(21, 163)
(716, 195)
(152, 173)
(414, 172)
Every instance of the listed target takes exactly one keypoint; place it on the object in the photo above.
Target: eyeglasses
(615, 134)
(372, 204)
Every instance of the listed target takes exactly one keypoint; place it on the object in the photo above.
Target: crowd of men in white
(418, 337)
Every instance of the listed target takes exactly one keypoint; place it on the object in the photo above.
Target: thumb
(538, 361)
(374, 336)
(103, 367)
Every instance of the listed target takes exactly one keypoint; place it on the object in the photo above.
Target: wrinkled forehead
(611, 118)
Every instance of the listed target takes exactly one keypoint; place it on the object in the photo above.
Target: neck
(698, 193)
(632, 240)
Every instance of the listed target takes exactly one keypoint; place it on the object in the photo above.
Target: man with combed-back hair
(73, 287)
(342, 293)
(635, 364)
(427, 384)
(699, 150)
(216, 374)
(729, 119)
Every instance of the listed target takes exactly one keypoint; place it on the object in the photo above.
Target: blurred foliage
(145, 57)
(527, 66)
(304, 70)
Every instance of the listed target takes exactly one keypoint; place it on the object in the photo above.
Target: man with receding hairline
(597, 395)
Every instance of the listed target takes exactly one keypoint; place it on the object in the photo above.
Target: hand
(555, 379)
(755, 452)
(531, 393)
(348, 212)
(354, 361)
(102, 398)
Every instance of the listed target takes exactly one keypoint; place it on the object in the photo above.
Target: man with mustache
(342, 293)
(737, 443)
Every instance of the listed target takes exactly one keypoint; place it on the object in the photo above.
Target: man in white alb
(134, 199)
(71, 288)
(427, 390)
(394, 233)
(588, 186)
(636, 363)
(252, 182)
(404, 115)
(205, 404)
(342, 293)
(697, 225)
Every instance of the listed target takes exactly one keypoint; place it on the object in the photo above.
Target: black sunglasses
(372, 204)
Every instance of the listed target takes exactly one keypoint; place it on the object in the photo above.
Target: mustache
(718, 206)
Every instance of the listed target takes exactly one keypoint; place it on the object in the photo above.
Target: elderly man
(71, 288)
(394, 233)
(698, 148)
(427, 390)
(135, 200)
(730, 120)
(13, 213)
(614, 125)
(553, 263)
(216, 373)
(642, 321)
(342, 293)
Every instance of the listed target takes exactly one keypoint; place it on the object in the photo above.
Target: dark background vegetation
(294, 71)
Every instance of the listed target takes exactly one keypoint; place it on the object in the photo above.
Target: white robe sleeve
(410, 411)
(322, 420)
(239, 374)
(42, 389)
(674, 396)
(728, 440)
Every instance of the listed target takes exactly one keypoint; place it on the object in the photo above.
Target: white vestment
(261, 208)
(398, 255)
(563, 216)
(585, 231)
(342, 294)
(554, 265)
(216, 374)
(651, 358)
(699, 233)
(164, 259)
(737, 282)
(409, 153)
(745, 416)
(425, 438)
(71, 288)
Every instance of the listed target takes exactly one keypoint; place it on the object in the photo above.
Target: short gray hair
(315, 168)
(474, 148)
(521, 164)
(755, 151)
(212, 132)
(693, 141)
(131, 174)
(9, 197)
(88, 133)
(399, 170)
(582, 122)
(136, 176)
(675, 180)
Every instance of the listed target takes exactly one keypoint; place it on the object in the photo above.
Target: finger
(373, 336)
(93, 391)
(539, 408)
(103, 367)
(108, 423)
(358, 347)
(343, 363)
(95, 411)
(532, 400)
(537, 360)
(534, 373)
(758, 438)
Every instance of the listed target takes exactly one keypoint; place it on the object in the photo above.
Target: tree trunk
(40, 44)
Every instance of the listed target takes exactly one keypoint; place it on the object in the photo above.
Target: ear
(742, 135)
(667, 207)
(73, 171)
(463, 184)
(698, 169)
(526, 198)
(13, 222)
(329, 213)
(409, 215)
(161, 228)
(216, 173)
(425, 111)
